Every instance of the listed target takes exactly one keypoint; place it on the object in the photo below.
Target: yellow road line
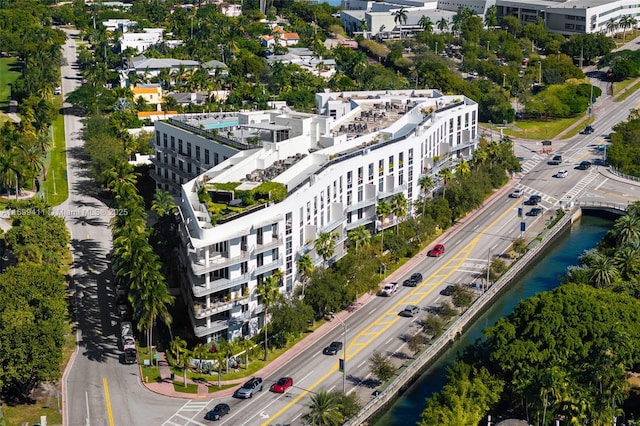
(460, 258)
(107, 399)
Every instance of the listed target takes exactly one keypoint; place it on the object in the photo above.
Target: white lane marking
(362, 363)
(373, 310)
(476, 227)
(296, 417)
(331, 388)
(389, 341)
(264, 415)
(602, 183)
(315, 355)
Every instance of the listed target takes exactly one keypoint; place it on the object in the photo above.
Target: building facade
(336, 166)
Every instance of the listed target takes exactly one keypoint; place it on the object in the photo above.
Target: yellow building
(151, 93)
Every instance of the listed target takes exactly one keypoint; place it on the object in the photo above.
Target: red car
(437, 251)
(282, 385)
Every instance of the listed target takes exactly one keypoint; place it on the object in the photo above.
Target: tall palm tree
(426, 24)
(611, 26)
(383, 209)
(426, 185)
(491, 17)
(627, 229)
(359, 235)
(177, 346)
(325, 245)
(442, 25)
(163, 203)
(602, 271)
(627, 261)
(399, 207)
(446, 175)
(400, 18)
(364, 27)
(269, 292)
(463, 170)
(324, 409)
(10, 171)
(304, 265)
(155, 305)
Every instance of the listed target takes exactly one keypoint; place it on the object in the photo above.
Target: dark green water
(542, 276)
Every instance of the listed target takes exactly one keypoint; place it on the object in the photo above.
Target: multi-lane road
(99, 390)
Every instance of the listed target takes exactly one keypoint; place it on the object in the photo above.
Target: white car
(517, 193)
(389, 289)
(562, 174)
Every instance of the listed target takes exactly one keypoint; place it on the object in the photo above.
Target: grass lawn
(56, 188)
(178, 386)
(30, 414)
(540, 130)
(627, 92)
(8, 74)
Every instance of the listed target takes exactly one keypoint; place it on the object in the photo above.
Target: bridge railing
(603, 205)
(615, 172)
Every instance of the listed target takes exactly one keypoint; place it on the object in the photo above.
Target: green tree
(627, 229)
(383, 209)
(325, 245)
(446, 175)
(399, 207)
(359, 236)
(432, 325)
(426, 185)
(380, 366)
(443, 25)
(305, 267)
(269, 292)
(163, 203)
(324, 409)
(426, 24)
(400, 18)
(461, 297)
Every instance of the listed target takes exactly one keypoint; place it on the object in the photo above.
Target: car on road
(536, 211)
(410, 282)
(409, 311)
(587, 130)
(533, 200)
(254, 385)
(557, 159)
(448, 291)
(584, 165)
(517, 193)
(562, 174)
(333, 348)
(437, 251)
(389, 289)
(218, 412)
(417, 276)
(282, 385)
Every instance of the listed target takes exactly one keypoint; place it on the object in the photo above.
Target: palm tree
(491, 17)
(426, 185)
(383, 209)
(443, 25)
(426, 24)
(602, 271)
(611, 26)
(627, 229)
(324, 409)
(163, 203)
(399, 207)
(10, 171)
(245, 345)
(463, 170)
(400, 18)
(304, 265)
(359, 235)
(627, 22)
(154, 305)
(220, 358)
(627, 261)
(364, 27)
(268, 291)
(176, 347)
(446, 175)
(325, 245)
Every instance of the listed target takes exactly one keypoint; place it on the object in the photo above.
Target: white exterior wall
(325, 200)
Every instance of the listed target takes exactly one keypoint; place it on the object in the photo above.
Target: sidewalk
(165, 387)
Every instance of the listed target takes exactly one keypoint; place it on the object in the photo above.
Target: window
(411, 157)
(157, 138)
(173, 161)
(164, 139)
(206, 156)
(349, 197)
(158, 156)
(360, 194)
(216, 159)
(370, 172)
(180, 165)
(380, 184)
(349, 179)
(189, 149)
(360, 175)
(198, 152)
(173, 143)
(400, 177)
(391, 164)
(400, 160)
(180, 146)
(380, 167)
(189, 169)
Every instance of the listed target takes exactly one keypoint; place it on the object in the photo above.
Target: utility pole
(344, 357)
(591, 101)
(539, 73)
(488, 270)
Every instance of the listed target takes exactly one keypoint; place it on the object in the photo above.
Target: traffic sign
(341, 365)
(523, 226)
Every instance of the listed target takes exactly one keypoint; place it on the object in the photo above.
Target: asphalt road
(99, 390)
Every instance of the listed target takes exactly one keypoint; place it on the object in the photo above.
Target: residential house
(151, 67)
(279, 36)
(151, 93)
(141, 41)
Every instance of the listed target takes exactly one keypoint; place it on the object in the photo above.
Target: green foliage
(433, 325)
(225, 186)
(461, 297)
(380, 366)
(289, 320)
(446, 311)
(624, 151)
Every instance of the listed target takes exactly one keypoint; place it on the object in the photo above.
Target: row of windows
(574, 27)
(165, 144)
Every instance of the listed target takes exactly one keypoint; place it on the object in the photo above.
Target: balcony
(267, 267)
(199, 267)
(218, 307)
(361, 205)
(394, 191)
(269, 244)
(364, 221)
(213, 327)
(332, 225)
(201, 290)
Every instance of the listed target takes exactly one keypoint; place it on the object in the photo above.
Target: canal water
(543, 275)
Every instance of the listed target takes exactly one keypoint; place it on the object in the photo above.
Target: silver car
(254, 385)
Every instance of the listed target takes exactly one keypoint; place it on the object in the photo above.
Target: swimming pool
(221, 124)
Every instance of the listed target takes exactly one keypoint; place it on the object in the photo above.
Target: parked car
(562, 174)
(333, 348)
(410, 282)
(516, 193)
(584, 165)
(282, 385)
(557, 159)
(409, 311)
(437, 251)
(254, 385)
(389, 289)
(533, 200)
(218, 412)
(417, 276)
(536, 211)
(448, 291)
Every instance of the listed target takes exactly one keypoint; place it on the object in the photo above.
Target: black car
(533, 200)
(218, 412)
(587, 130)
(584, 165)
(416, 276)
(333, 348)
(410, 282)
(536, 211)
(448, 291)
(557, 159)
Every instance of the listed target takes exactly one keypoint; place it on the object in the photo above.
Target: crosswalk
(570, 195)
(187, 413)
(528, 165)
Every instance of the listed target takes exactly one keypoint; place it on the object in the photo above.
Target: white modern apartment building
(361, 147)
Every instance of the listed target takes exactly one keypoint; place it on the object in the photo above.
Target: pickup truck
(389, 289)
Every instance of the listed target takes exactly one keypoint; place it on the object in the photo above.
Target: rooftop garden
(224, 200)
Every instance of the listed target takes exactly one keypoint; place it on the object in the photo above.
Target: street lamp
(344, 357)
(539, 73)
